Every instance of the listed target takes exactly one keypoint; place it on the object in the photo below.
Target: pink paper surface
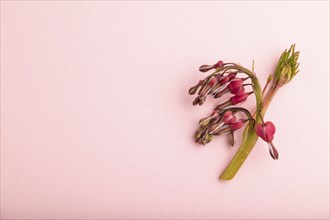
(96, 121)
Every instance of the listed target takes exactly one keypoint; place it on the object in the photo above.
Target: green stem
(249, 140)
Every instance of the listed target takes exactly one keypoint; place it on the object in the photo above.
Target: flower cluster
(220, 122)
(224, 118)
(219, 84)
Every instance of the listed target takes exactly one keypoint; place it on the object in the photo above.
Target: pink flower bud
(224, 79)
(237, 124)
(239, 98)
(216, 88)
(235, 84)
(228, 117)
(238, 91)
(194, 89)
(266, 131)
(218, 64)
(272, 150)
(212, 82)
(232, 87)
(205, 68)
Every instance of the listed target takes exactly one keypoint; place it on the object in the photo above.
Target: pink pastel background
(96, 121)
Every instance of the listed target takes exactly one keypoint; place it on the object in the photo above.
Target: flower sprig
(225, 118)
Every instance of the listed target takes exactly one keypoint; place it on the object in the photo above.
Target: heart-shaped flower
(266, 131)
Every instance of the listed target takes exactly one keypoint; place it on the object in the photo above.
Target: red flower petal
(228, 117)
(270, 131)
(260, 130)
(237, 124)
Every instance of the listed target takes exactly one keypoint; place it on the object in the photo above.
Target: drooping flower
(266, 131)
(235, 86)
(223, 79)
(237, 124)
(227, 124)
(210, 84)
(229, 117)
(205, 68)
(241, 97)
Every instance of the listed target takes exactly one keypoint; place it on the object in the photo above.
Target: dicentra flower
(221, 122)
(240, 98)
(266, 131)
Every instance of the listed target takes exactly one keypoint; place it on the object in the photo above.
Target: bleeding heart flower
(228, 117)
(235, 84)
(239, 98)
(223, 79)
(238, 91)
(237, 124)
(266, 131)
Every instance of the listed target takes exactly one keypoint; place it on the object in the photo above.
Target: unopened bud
(235, 84)
(233, 87)
(194, 89)
(228, 117)
(239, 98)
(238, 91)
(220, 93)
(218, 64)
(224, 79)
(211, 83)
(196, 101)
(205, 68)
(287, 66)
(237, 124)
(273, 152)
(231, 138)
